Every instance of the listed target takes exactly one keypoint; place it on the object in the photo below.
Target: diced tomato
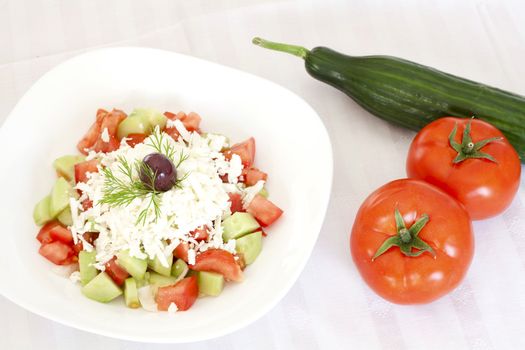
(93, 140)
(82, 169)
(44, 235)
(183, 294)
(219, 261)
(181, 252)
(117, 273)
(200, 234)
(190, 121)
(57, 252)
(253, 175)
(236, 202)
(78, 247)
(62, 234)
(264, 211)
(245, 150)
(91, 137)
(87, 204)
(135, 139)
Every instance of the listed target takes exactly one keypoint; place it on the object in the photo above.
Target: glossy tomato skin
(412, 280)
(484, 187)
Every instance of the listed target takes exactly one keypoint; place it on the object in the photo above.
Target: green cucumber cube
(62, 191)
(133, 125)
(157, 266)
(101, 288)
(131, 295)
(249, 246)
(179, 267)
(85, 263)
(154, 117)
(238, 225)
(65, 165)
(65, 217)
(264, 192)
(41, 214)
(210, 283)
(136, 267)
(158, 280)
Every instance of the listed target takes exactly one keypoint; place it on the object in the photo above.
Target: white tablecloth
(329, 307)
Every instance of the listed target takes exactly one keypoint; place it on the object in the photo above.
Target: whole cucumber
(410, 94)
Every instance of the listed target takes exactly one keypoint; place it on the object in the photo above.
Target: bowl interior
(292, 147)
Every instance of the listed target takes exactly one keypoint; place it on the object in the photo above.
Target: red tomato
(93, 140)
(253, 175)
(394, 275)
(44, 235)
(245, 150)
(135, 139)
(82, 169)
(236, 202)
(264, 211)
(90, 138)
(200, 234)
(117, 273)
(181, 252)
(191, 122)
(87, 204)
(62, 234)
(57, 252)
(486, 187)
(219, 261)
(183, 294)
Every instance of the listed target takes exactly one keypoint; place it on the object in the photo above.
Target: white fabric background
(329, 307)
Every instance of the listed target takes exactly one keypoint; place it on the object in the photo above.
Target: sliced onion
(65, 270)
(146, 298)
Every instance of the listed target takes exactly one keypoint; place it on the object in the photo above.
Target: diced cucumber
(143, 282)
(65, 165)
(160, 280)
(141, 121)
(264, 192)
(154, 117)
(65, 217)
(133, 125)
(41, 214)
(210, 283)
(179, 267)
(85, 263)
(131, 296)
(62, 191)
(249, 246)
(101, 288)
(136, 267)
(157, 266)
(237, 225)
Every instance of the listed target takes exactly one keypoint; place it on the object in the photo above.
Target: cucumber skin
(413, 95)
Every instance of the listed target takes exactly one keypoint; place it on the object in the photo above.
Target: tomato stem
(407, 239)
(468, 149)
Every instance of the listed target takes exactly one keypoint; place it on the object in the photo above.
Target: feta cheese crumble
(105, 135)
(199, 199)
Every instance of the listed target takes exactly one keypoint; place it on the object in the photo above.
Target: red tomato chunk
(183, 294)
(264, 210)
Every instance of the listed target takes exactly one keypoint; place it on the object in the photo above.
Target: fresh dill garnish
(121, 191)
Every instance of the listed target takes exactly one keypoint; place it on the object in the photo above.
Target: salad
(155, 210)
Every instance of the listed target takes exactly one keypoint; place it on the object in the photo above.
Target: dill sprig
(121, 191)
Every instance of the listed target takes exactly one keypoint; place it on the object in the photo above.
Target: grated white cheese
(75, 277)
(172, 308)
(200, 200)
(249, 193)
(104, 136)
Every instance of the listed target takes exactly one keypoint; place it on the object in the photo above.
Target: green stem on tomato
(407, 239)
(468, 149)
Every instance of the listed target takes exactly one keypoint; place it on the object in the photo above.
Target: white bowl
(292, 147)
